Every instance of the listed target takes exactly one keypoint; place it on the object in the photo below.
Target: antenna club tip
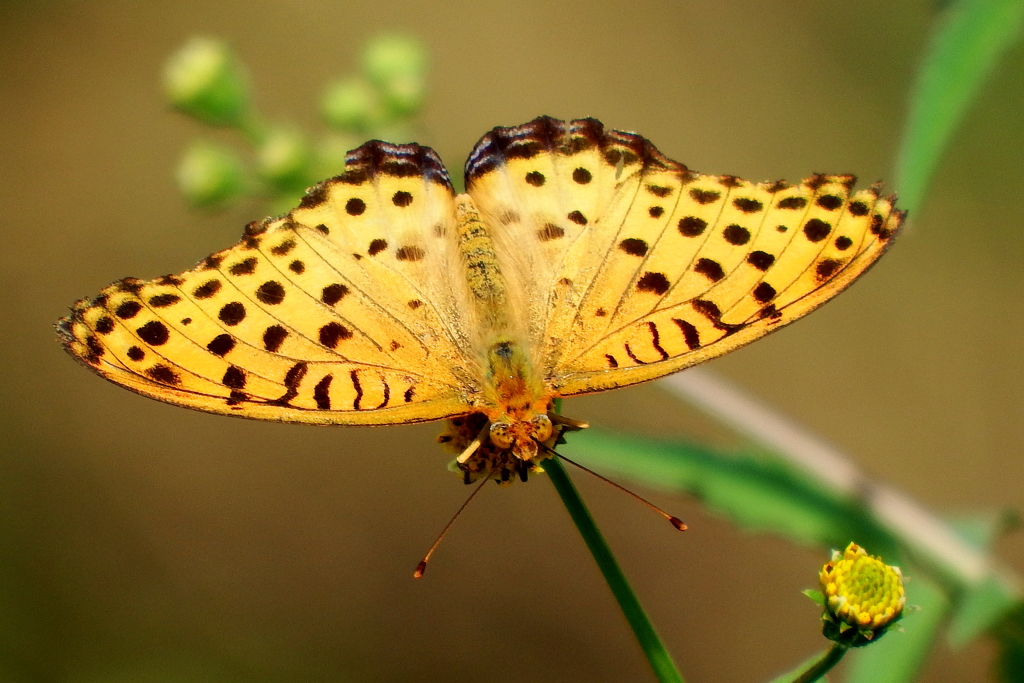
(421, 569)
(678, 523)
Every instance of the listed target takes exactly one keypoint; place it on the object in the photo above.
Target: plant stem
(659, 658)
(823, 665)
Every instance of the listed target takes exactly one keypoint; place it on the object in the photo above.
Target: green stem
(650, 643)
(823, 665)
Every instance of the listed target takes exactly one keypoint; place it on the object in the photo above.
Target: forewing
(636, 267)
(342, 312)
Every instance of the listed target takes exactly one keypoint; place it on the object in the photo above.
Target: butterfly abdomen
(484, 277)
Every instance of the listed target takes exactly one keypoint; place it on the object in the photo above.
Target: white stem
(916, 526)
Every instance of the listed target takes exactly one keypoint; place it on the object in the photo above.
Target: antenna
(674, 521)
(421, 568)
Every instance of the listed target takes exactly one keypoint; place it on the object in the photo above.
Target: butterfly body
(580, 259)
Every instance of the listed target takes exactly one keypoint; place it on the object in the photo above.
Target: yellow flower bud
(863, 596)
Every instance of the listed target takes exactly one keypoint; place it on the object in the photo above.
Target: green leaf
(981, 606)
(981, 529)
(815, 596)
(979, 609)
(897, 658)
(755, 491)
(1010, 634)
(969, 39)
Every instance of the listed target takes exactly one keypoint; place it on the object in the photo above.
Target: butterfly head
(502, 448)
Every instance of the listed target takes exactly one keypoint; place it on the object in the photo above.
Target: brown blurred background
(144, 542)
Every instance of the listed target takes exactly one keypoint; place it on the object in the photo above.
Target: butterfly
(580, 259)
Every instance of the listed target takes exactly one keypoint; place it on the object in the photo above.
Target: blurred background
(144, 542)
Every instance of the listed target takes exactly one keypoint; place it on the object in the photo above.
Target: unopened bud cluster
(206, 80)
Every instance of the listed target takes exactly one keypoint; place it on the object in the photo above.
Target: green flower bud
(395, 132)
(351, 104)
(205, 79)
(284, 158)
(209, 175)
(331, 153)
(397, 66)
(863, 596)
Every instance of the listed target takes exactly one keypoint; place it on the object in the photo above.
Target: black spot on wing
(234, 377)
(271, 293)
(246, 267)
(691, 226)
(355, 206)
(792, 203)
(827, 269)
(321, 393)
(333, 334)
(333, 293)
(656, 340)
(154, 333)
(207, 289)
(129, 309)
(760, 260)
(736, 235)
(652, 282)
(549, 232)
(410, 253)
(232, 313)
(829, 202)
(747, 204)
(633, 246)
(816, 229)
(764, 292)
(221, 344)
(164, 300)
(163, 374)
(283, 248)
(690, 333)
(704, 196)
(273, 337)
(857, 209)
(104, 325)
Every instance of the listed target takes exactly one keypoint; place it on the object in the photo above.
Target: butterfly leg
(567, 423)
(474, 444)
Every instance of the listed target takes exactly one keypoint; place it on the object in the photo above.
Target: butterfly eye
(542, 428)
(501, 435)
